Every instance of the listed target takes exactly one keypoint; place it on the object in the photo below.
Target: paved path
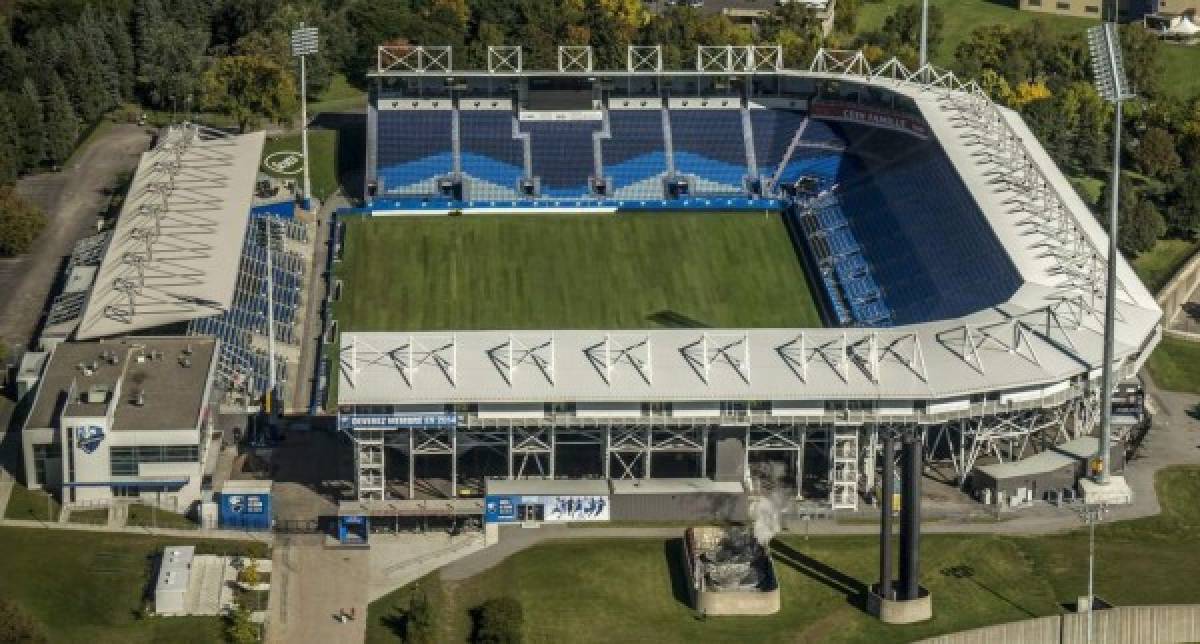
(311, 584)
(306, 379)
(72, 199)
(264, 537)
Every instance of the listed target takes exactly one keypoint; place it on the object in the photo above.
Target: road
(72, 199)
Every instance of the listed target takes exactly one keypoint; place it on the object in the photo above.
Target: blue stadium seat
(414, 147)
(492, 159)
(562, 155)
(634, 156)
(710, 145)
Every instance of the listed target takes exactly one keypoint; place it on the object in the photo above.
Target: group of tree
(1046, 75)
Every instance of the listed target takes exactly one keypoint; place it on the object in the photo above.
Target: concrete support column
(608, 452)
(510, 452)
(885, 517)
(649, 452)
(553, 449)
(412, 467)
(910, 518)
(453, 462)
(704, 452)
(800, 464)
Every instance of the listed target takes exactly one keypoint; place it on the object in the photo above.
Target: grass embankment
(91, 586)
(633, 590)
(322, 147)
(31, 505)
(148, 516)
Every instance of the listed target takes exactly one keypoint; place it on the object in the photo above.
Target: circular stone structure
(729, 572)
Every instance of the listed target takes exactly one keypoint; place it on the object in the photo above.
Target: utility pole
(1108, 67)
(304, 43)
(1092, 514)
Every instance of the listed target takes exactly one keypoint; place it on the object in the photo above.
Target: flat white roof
(1050, 330)
(174, 252)
(676, 486)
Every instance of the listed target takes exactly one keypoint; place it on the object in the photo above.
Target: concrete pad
(1115, 492)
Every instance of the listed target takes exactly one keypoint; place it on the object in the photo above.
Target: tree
(903, 28)
(1140, 228)
(61, 123)
(238, 627)
(20, 224)
(420, 623)
(1155, 153)
(27, 110)
(1140, 50)
(10, 143)
(1183, 218)
(18, 626)
(249, 87)
(498, 621)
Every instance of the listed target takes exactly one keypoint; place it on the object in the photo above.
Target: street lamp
(1108, 67)
(304, 43)
(1091, 515)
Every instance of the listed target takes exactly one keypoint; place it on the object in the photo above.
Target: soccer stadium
(737, 276)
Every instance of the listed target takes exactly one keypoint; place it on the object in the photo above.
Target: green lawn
(28, 504)
(1175, 365)
(340, 96)
(1157, 265)
(144, 515)
(572, 272)
(322, 146)
(964, 16)
(630, 590)
(89, 586)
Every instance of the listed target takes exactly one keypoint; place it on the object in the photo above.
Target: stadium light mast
(1108, 67)
(304, 43)
(924, 33)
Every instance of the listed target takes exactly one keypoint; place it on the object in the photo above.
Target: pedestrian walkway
(234, 535)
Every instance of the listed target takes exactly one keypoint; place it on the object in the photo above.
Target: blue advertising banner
(396, 421)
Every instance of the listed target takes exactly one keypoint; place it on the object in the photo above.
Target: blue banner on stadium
(396, 421)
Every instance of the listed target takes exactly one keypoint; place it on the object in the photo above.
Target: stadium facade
(962, 277)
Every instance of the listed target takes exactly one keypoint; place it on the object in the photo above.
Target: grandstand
(961, 277)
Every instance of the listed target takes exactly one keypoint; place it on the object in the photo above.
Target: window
(124, 461)
(41, 454)
(1034, 3)
(1062, 6)
(1091, 8)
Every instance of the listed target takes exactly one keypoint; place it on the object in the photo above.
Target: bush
(18, 626)
(238, 627)
(20, 223)
(249, 575)
(498, 621)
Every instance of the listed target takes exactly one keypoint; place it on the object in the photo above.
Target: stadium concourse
(960, 277)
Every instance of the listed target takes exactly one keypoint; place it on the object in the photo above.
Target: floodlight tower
(304, 43)
(924, 33)
(1109, 69)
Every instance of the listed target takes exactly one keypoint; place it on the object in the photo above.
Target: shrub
(498, 621)
(18, 626)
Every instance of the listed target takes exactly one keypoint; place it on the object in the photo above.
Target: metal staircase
(368, 462)
(843, 471)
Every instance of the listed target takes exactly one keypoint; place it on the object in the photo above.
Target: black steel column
(885, 519)
(910, 518)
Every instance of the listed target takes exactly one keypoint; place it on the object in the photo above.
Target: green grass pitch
(626, 271)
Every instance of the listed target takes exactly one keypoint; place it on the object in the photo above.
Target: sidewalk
(233, 535)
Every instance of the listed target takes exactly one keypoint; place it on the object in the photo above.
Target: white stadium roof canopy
(175, 250)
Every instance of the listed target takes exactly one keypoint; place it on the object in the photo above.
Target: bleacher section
(635, 159)
(243, 364)
(853, 296)
(493, 161)
(562, 155)
(415, 147)
(930, 248)
(709, 144)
